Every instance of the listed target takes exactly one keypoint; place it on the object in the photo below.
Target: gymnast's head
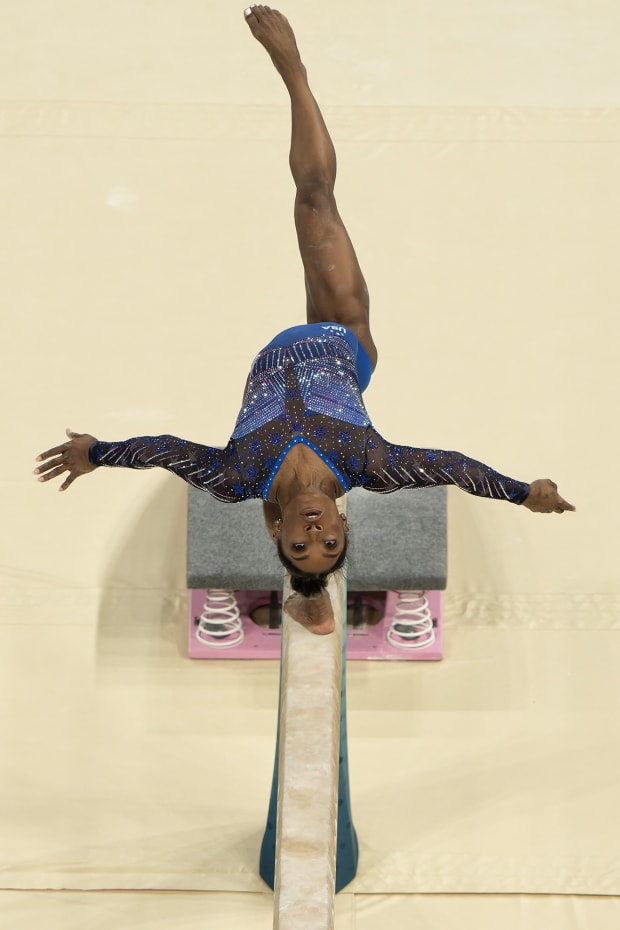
(311, 539)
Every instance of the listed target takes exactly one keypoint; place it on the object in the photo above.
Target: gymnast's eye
(298, 547)
(331, 543)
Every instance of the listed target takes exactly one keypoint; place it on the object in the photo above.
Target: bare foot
(273, 31)
(315, 613)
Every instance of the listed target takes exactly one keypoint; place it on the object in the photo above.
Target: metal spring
(412, 623)
(220, 623)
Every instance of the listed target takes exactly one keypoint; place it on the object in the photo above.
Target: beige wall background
(149, 252)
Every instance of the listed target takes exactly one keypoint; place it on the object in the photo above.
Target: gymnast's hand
(544, 498)
(71, 456)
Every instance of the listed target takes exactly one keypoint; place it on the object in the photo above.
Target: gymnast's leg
(335, 287)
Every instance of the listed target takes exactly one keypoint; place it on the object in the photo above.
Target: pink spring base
(259, 642)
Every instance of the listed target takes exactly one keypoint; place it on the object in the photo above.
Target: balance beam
(310, 849)
(305, 867)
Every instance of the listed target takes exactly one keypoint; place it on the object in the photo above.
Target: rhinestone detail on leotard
(306, 392)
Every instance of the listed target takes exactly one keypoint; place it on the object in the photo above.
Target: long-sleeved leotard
(307, 392)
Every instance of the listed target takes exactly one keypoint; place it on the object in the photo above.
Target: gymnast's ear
(271, 516)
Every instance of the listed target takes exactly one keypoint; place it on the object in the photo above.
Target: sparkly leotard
(304, 387)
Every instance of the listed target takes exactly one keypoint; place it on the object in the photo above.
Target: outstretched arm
(393, 467)
(211, 469)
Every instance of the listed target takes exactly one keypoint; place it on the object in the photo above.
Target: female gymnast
(303, 436)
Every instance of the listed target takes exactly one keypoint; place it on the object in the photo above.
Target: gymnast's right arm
(201, 466)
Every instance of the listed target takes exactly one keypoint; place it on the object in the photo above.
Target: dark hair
(309, 583)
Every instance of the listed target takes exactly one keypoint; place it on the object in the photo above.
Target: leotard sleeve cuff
(523, 496)
(92, 453)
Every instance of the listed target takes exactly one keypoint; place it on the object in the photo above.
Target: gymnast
(303, 437)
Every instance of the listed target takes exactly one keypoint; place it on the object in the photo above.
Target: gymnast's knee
(316, 194)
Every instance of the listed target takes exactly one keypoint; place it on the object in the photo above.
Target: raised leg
(335, 286)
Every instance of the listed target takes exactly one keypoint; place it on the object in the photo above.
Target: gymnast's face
(313, 532)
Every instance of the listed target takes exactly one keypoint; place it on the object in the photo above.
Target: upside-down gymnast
(303, 436)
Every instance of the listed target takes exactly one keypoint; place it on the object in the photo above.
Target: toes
(254, 14)
(252, 20)
(257, 11)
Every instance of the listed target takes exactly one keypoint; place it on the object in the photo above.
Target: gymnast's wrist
(527, 489)
(92, 453)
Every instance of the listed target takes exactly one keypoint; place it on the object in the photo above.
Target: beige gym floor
(148, 253)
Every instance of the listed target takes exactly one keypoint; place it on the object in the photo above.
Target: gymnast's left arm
(82, 453)
(408, 467)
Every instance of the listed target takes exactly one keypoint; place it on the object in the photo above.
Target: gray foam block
(228, 545)
(397, 542)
